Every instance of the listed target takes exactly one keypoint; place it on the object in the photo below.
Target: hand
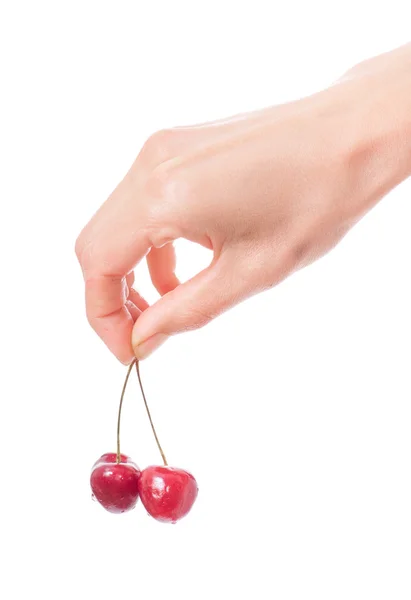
(267, 192)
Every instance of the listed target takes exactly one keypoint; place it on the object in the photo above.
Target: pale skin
(268, 192)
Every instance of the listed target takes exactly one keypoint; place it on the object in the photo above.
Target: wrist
(376, 131)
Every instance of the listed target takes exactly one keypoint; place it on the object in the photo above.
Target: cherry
(114, 476)
(111, 457)
(167, 493)
(115, 484)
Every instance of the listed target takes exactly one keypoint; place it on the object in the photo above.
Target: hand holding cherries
(167, 493)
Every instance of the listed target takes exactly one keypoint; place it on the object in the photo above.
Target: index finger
(109, 247)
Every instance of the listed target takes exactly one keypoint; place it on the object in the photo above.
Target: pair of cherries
(116, 481)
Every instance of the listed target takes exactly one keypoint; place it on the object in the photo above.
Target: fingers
(190, 305)
(137, 300)
(133, 310)
(108, 249)
(110, 314)
(130, 278)
(127, 226)
(161, 264)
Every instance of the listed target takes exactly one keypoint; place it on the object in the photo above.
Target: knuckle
(163, 190)
(93, 322)
(159, 146)
(87, 253)
(79, 247)
(167, 183)
(166, 189)
(90, 318)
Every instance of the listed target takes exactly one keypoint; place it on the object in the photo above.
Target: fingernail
(144, 349)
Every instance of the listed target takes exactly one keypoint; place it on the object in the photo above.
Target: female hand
(267, 192)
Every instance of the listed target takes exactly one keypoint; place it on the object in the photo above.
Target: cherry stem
(149, 415)
(118, 458)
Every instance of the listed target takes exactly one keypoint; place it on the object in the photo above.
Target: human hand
(267, 192)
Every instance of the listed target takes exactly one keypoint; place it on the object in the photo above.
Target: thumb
(190, 305)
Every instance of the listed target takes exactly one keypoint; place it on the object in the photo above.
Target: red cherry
(115, 485)
(167, 493)
(111, 457)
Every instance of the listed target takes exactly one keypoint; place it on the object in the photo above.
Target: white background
(292, 411)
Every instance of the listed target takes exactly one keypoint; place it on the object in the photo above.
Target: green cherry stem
(118, 457)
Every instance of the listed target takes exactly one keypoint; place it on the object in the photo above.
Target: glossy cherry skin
(167, 493)
(115, 485)
(111, 457)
